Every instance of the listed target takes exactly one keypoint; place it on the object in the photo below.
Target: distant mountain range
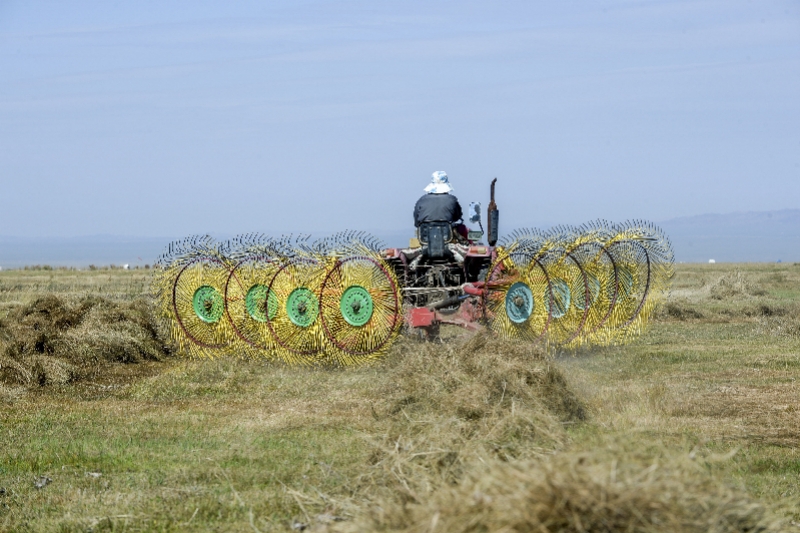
(762, 236)
(735, 237)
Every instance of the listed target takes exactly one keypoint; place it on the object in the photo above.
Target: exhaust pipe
(493, 218)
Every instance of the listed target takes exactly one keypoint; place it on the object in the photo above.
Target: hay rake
(343, 300)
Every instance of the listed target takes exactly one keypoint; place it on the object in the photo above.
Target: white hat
(439, 183)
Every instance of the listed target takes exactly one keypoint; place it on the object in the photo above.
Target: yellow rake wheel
(198, 306)
(600, 295)
(518, 287)
(361, 308)
(296, 325)
(568, 289)
(633, 284)
(250, 304)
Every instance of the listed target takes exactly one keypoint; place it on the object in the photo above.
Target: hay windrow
(447, 407)
(477, 377)
(472, 438)
(601, 490)
(734, 285)
(56, 341)
(780, 325)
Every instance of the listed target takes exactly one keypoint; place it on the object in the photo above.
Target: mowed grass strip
(22, 286)
(203, 443)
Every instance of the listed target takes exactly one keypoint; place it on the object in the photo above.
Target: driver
(438, 205)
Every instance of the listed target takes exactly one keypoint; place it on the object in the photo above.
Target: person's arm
(457, 214)
(417, 208)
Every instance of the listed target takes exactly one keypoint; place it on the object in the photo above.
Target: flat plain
(693, 426)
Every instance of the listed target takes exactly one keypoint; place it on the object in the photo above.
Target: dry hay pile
(734, 285)
(581, 492)
(486, 398)
(780, 322)
(53, 341)
(473, 439)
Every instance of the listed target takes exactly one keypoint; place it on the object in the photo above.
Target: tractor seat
(434, 237)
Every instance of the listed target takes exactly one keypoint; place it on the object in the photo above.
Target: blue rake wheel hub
(560, 301)
(624, 286)
(625, 282)
(519, 302)
(259, 306)
(356, 305)
(302, 307)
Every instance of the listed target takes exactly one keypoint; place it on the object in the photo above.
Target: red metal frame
(468, 315)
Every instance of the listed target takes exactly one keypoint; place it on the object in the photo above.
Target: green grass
(232, 445)
(212, 436)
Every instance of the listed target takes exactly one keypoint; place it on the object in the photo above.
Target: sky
(174, 118)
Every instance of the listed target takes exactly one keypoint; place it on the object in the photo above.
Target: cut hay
(681, 309)
(734, 285)
(591, 491)
(54, 341)
(471, 438)
(780, 324)
(449, 407)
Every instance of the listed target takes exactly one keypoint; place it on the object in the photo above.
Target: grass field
(695, 426)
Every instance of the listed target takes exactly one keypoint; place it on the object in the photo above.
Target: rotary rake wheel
(601, 290)
(568, 282)
(629, 285)
(199, 305)
(189, 287)
(643, 267)
(296, 326)
(361, 308)
(251, 304)
(519, 287)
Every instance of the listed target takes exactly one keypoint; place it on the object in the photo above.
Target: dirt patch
(56, 341)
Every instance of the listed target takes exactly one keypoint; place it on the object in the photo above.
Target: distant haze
(736, 237)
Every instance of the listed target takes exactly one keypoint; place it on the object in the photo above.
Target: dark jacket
(437, 208)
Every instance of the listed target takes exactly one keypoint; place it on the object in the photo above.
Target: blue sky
(170, 118)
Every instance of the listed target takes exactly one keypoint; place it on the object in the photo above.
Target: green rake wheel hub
(560, 298)
(208, 304)
(302, 307)
(356, 305)
(259, 306)
(519, 302)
